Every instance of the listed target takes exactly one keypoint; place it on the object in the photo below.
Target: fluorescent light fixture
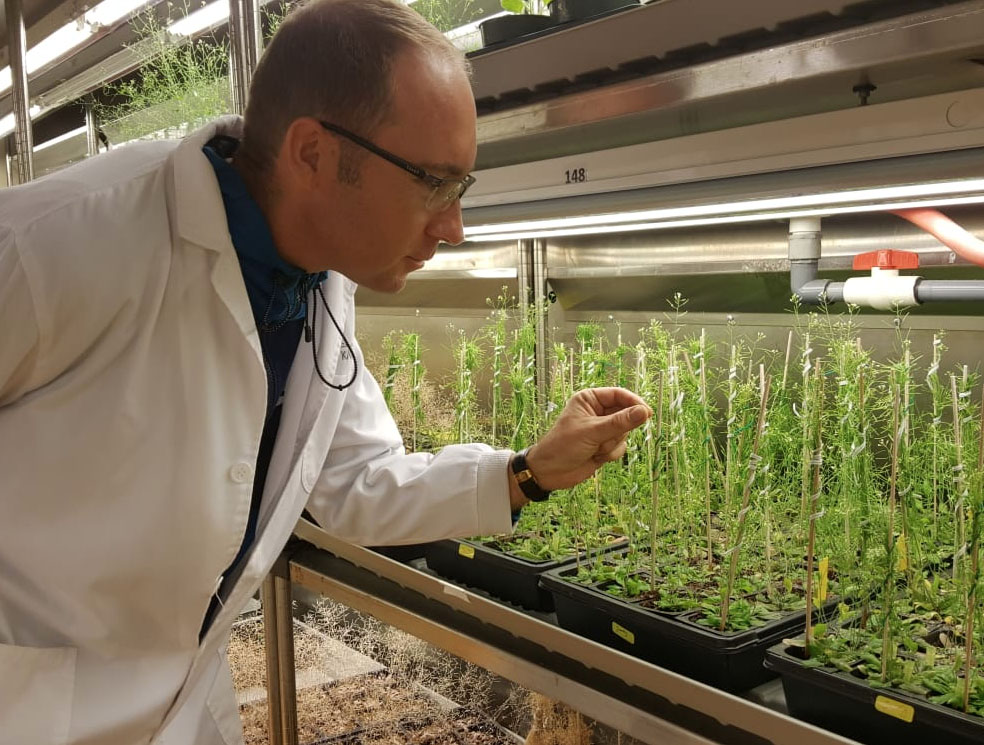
(7, 122)
(73, 34)
(60, 138)
(211, 15)
(497, 273)
(857, 200)
(721, 220)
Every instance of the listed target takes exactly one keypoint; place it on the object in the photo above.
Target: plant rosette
(503, 575)
(840, 686)
(672, 623)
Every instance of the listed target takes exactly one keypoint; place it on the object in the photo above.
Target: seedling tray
(506, 577)
(848, 705)
(731, 660)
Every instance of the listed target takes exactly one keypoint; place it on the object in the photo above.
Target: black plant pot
(563, 11)
(506, 577)
(405, 554)
(510, 27)
(731, 660)
(849, 705)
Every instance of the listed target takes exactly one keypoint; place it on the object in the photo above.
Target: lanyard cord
(311, 335)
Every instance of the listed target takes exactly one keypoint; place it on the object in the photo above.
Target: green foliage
(180, 85)
(446, 15)
(534, 7)
(896, 546)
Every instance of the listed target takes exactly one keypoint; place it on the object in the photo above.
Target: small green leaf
(512, 6)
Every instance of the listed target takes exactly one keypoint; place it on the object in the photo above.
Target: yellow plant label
(467, 551)
(902, 563)
(895, 708)
(824, 575)
(623, 633)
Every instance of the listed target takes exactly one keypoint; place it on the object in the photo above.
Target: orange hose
(948, 233)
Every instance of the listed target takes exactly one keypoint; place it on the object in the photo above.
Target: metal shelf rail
(633, 696)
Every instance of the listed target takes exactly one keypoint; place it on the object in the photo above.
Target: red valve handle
(887, 259)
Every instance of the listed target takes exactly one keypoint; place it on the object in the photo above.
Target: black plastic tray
(731, 660)
(840, 702)
(506, 577)
(405, 554)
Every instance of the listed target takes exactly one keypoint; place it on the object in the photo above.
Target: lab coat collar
(199, 218)
(199, 213)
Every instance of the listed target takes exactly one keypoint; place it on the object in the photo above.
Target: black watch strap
(527, 482)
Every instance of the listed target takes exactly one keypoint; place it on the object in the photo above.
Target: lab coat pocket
(36, 690)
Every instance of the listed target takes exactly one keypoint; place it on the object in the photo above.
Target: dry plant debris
(555, 723)
(408, 702)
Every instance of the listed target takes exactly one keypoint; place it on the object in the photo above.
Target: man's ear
(306, 153)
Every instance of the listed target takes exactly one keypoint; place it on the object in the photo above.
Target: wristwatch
(525, 479)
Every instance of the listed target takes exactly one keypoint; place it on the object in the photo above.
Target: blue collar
(277, 290)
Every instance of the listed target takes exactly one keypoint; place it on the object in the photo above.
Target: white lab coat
(132, 399)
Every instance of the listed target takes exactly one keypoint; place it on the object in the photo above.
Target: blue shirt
(278, 293)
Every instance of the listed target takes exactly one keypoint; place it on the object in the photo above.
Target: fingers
(612, 450)
(616, 426)
(610, 400)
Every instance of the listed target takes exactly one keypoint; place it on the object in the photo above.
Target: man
(179, 377)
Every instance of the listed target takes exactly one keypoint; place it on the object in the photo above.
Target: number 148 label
(575, 176)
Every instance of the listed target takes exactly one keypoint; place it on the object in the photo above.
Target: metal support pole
(91, 136)
(6, 159)
(268, 601)
(244, 48)
(540, 298)
(253, 33)
(278, 626)
(285, 645)
(17, 50)
(524, 272)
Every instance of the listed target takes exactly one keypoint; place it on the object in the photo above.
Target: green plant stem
(811, 543)
(730, 427)
(969, 630)
(958, 479)
(806, 439)
(655, 471)
(890, 573)
(785, 364)
(974, 558)
(745, 501)
(903, 501)
(707, 453)
(932, 378)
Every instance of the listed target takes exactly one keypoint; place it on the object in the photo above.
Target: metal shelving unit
(633, 696)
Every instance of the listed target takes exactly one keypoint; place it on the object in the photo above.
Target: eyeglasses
(444, 191)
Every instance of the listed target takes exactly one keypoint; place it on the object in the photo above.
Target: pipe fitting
(804, 258)
(885, 289)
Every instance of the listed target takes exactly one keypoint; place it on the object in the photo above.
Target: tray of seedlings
(902, 664)
(733, 556)
(571, 526)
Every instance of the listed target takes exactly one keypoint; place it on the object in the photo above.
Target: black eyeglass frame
(435, 182)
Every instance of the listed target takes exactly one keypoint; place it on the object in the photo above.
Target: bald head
(334, 60)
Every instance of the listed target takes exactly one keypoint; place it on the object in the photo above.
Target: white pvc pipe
(947, 232)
